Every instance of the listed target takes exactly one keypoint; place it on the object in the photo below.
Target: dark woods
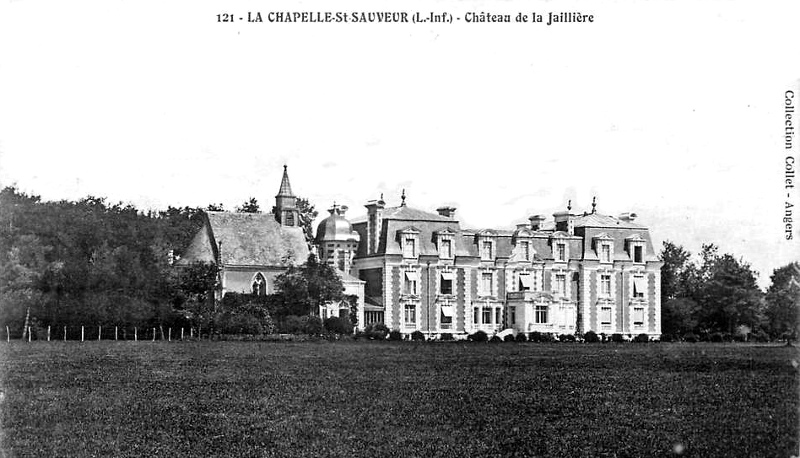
(94, 263)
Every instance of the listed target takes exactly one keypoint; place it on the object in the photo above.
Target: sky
(672, 110)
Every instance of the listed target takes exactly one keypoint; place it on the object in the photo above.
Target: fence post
(135, 335)
(65, 333)
(8, 335)
(169, 335)
(81, 333)
(116, 329)
(29, 333)
(181, 333)
(48, 333)
(191, 332)
(154, 334)
(99, 332)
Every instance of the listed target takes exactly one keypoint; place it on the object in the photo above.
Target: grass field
(397, 399)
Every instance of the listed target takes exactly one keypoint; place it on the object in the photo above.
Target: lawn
(397, 399)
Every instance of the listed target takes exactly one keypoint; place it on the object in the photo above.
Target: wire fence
(98, 333)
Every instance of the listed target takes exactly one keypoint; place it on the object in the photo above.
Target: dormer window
(638, 251)
(446, 249)
(410, 247)
(409, 242)
(487, 251)
(605, 252)
(561, 251)
(525, 250)
(635, 245)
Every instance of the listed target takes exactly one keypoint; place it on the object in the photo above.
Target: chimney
(447, 212)
(536, 222)
(374, 223)
(628, 216)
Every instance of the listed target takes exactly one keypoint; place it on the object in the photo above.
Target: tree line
(91, 262)
(715, 296)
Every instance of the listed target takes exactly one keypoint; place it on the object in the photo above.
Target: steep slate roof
(412, 214)
(248, 239)
(286, 188)
(598, 220)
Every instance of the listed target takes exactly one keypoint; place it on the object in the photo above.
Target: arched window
(259, 285)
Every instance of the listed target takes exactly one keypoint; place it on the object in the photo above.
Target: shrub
(478, 336)
(690, 337)
(312, 325)
(417, 335)
(521, 337)
(547, 337)
(591, 337)
(338, 325)
(760, 336)
(376, 331)
(617, 338)
(642, 338)
(535, 336)
(446, 336)
(508, 338)
(566, 338)
(395, 335)
(495, 339)
(739, 337)
(716, 337)
(238, 323)
(667, 338)
(291, 324)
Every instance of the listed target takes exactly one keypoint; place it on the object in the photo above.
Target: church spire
(285, 210)
(286, 188)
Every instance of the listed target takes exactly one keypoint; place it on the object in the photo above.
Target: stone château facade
(417, 270)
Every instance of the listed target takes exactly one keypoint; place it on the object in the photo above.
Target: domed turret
(335, 228)
(336, 239)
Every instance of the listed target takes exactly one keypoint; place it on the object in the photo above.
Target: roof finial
(403, 198)
(594, 204)
(569, 205)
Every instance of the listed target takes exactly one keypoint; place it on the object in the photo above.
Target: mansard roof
(412, 214)
(247, 239)
(605, 221)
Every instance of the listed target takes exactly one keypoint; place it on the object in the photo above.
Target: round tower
(336, 239)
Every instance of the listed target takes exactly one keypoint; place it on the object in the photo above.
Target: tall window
(486, 250)
(639, 286)
(637, 253)
(446, 317)
(525, 250)
(290, 218)
(446, 285)
(410, 248)
(512, 315)
(561, 284)
(561, 252)
(498, 316)
(540, 314)
(486, 283)
(605, 285)
(259, 286)
(605, 253)
(476, 315)
(410, 314)
(487, 315)
(446, 250)
(410, 283)
(638, 316)
(525, 282)
(605, 316)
